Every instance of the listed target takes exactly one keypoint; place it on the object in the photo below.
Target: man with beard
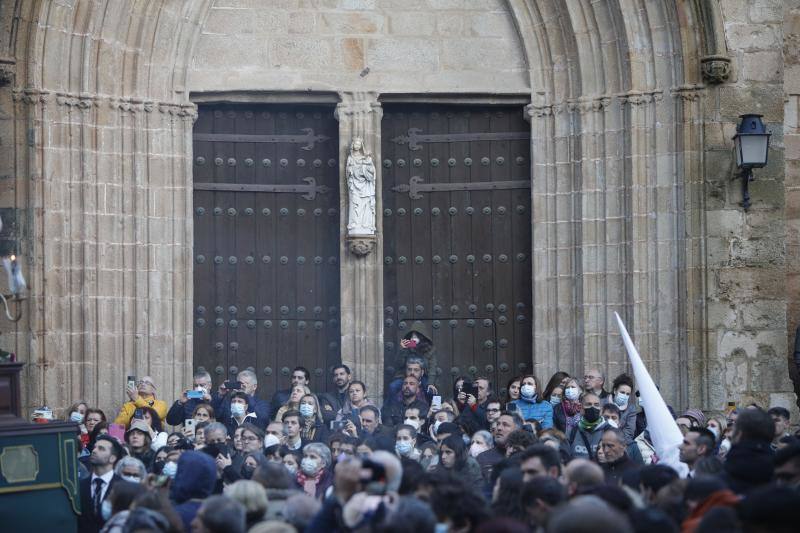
(394, 410)
(96, 488)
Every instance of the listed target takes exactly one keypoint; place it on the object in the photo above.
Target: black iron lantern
(751, 144)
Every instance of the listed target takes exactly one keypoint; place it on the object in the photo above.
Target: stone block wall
(746, 252)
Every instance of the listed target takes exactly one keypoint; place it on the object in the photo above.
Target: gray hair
(321, 450)
(214, 427)
(202, 374)
(617, 433)
(248, 374)
(130, 461)
(417, 360)
(485, 435)
(223, 513)
(300, 509)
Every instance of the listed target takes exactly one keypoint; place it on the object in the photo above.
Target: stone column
(359, 115)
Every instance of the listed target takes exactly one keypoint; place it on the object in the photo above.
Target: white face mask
(132, 479)
(527, 391)
(237, 410)
(76, 417)
(476, 449)
(309, 466)
(621, 399)
(572, 393)
(714, 430)
(170, 469)
(413, 423)
(613, 423)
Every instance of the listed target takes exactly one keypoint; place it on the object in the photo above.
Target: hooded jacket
(194, 481)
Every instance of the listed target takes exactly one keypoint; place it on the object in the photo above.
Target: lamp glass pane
(754, 149)
(737, 141)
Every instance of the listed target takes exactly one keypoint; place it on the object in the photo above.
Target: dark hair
(779, 411)
(257, 431)
(548, 455)
(654, 477)
(705, 438)
(708, 465)
(346, 369)
(544, 488)
(274, 475)
(291, 412)
(157, 501)
(509, 502)
(100, 426)
(512, 380)
(116, 447)
(222, 514)
(455, 443)
(155, 420)
(95, 410)
(304, 370)
(520, 438)
(755, 425)
(700, 488)
(370, 442)
(622, 379)
(371, 408)
(508, 463)
(786, 454)
(611, 407)
(357, 382)
(412, 475)
(555, 381)
(123, 493)
(454, 500)
(239, 394)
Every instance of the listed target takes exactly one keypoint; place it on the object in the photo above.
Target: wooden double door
(457, 238)
(266, 248)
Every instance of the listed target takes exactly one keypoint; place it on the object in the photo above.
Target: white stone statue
(361, 185)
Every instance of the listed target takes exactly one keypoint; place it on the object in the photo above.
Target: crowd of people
(571, 456)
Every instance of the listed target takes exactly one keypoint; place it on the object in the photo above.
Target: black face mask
(158, 467)
(591, 414)
(247, 471)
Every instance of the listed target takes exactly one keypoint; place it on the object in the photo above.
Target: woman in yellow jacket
(142, 395)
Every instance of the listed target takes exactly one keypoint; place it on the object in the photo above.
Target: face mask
(592, 414)
(403, 447)
(555, 400)
(611, 422)
(714, 430)
(621, 399)
(306, 410)
(725, 445)
(527, 391)
(76, 417)
(413, 423)
(291, 468)
(237, 410)
(132, 479)
(435, 428)
(476, 449)
(572, 393)
(158, 466)
(105, 510)
(170, 469)
(247, 471)
(308, 466)
(200, 389)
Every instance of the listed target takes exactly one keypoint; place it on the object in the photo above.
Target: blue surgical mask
(621, 399)
(555, 400)
(306, 410)
(105, 510)
(76, 417)
(132, 479)
(309, 466)
(403, 447)
(572, 393)
(237, 410)
(170, 469)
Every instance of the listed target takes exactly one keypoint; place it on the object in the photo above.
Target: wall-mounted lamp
(16, 286)
(751, 144)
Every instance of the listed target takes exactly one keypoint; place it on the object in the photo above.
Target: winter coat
(535, 409)
(584, 443)
(615, 471)
(129, 408)
(470, 473)
(721, 498)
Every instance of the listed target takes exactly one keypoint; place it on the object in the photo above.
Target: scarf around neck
(590, 426)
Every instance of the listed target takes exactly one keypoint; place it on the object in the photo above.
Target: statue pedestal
(10, 406)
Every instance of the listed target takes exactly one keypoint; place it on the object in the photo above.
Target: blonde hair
(251, 495)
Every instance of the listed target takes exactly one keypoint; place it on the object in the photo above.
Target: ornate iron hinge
(414, 137)
(416, 186)
(309, 139)
(310, 191)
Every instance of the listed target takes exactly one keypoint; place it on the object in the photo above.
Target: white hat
(271, 440)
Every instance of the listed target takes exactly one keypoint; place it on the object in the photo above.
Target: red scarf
(570, 408)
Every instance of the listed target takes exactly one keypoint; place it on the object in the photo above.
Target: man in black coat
(96, 488)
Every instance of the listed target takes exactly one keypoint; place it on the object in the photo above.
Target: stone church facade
(634, 201)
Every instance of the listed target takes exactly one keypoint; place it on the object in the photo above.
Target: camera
(338, 425)
(233, 385)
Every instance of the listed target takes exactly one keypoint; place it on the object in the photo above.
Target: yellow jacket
(128, 408)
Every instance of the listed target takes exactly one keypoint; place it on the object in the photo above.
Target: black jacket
(394, 412)
(88, 521)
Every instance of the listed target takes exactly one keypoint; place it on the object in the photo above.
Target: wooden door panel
(266, 241)
(456, 194)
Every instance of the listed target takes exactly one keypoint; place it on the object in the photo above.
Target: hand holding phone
(189, 427)
(194, 394)
(436, 403)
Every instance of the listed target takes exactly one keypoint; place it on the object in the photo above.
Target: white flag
(664, 432)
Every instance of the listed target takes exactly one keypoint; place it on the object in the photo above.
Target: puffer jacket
(535, 409)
